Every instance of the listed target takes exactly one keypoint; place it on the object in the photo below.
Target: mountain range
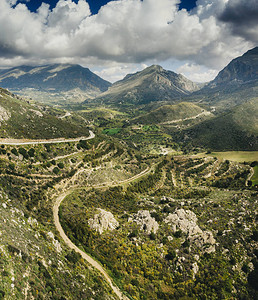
(57, 82)
(140, 209)
(66, 83)
(223, 110)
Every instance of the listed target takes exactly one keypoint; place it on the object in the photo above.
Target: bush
(2, 294)
(60, 165)
(12, 166)
(23, 152)
(31, 152)
(153, 236)
(56, 170)
(255, 235)
(253, 279)
(73, 257)
(133, 234)
(178, 234)
(14, 151)
(171, 255)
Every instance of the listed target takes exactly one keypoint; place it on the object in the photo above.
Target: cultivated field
(239, 156)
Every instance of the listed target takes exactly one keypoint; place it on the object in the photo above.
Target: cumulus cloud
(125, 32)
(197, 73)
(243, 18)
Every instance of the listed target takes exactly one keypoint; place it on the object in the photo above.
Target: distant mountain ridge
(54, 77)
(54, 83)
(150, 85)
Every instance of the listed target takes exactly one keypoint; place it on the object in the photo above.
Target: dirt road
(69, 243)
(17, 142)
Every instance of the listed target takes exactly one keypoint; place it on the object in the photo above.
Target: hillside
(47, 81)
(152, 84)
(234, 85)
(169, 222)
(234, 130)
(172, 114)
(24, 119)
(240, 70)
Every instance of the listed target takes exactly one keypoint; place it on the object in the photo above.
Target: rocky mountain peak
(240, 70)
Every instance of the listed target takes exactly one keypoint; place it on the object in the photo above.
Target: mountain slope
(240, 70)
(234, 130)
(234, 85)
(23, 119)
(172, 114)
(152, 84)
(65, 78)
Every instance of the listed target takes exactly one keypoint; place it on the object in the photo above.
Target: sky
(114, 38)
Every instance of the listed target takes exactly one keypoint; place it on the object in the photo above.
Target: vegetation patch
(111, 131)
(255, 176)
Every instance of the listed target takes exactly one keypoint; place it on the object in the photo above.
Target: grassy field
(255, 176)
(111, 131)
(239, 156)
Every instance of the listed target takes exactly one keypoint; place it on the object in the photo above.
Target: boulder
(102, 221)
(186, 221)
(145, 220)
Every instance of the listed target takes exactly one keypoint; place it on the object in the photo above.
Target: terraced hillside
(159, 233)
(149, 254)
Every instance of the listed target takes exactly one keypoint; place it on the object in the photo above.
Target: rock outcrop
(102, 221)
(186, 221)
(145, 220)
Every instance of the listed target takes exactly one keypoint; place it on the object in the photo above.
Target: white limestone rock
(186, 221)
(145, 220)
(102, 221)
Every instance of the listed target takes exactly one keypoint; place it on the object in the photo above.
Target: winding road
(19, 142)
(71, 245)
(251, 174)
(204, 113)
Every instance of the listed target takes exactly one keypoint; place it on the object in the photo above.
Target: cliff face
(240, 70)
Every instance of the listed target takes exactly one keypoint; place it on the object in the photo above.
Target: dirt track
(70, 244)
(75, 248)
(51, 141)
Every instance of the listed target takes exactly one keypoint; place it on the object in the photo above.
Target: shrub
(153, 236)
(60, 165)
(134, 233)
(178, 233)
(56, 170)
(23, 152)
(14, 151)
(253, 279)
(31, 152)
(171, 255)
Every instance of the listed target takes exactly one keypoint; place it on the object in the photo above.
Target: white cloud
(126, 32)
(197, 73)
(116, 72)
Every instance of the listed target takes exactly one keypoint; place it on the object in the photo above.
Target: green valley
(145, 190)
